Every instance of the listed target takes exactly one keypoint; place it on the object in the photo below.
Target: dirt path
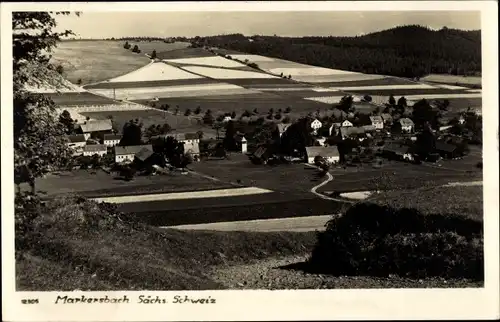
(322, 196)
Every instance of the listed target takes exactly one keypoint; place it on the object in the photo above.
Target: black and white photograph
(166, 151)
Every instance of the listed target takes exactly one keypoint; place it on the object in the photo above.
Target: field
(152, 117)
(97, 60)
(82, 98)
(147, 47)
(451, 79)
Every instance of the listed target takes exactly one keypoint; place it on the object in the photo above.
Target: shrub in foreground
(379, 241)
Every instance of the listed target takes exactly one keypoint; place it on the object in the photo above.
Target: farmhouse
(351, 131)
(369, 128)
(407, 125)
(76, 143)
(110, 140)
(99, 149)
(387, 118)
(227, 118)
(99, 127)
(191, 143)
(316, 125)
(124, 154)
(398, 152)
(377, 122)
(346, 123)
(447, 150)
(329, 153)
(282, 127)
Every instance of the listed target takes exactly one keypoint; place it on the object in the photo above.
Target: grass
(83, 98)
(406, 92)
(147, 47)
(183, 53)
(103, 184)
(105, 253)
(454, 80)
(93, 61)
(375, 82)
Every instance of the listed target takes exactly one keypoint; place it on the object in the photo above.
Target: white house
(76, 143)
(125, 154)
(316, 125)
(191, 143)
(99, 149)
(329, 153)
(227, 118)
(377, 122)
(110, 140)
(346, 123)
(407, 125)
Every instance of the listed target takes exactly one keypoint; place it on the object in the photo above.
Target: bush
(378, 240)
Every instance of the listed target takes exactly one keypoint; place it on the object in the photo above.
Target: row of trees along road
(406, 51)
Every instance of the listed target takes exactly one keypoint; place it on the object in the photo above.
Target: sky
(318, 23)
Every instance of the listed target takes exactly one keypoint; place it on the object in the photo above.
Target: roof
(110, 137)
(185, 136)
(96, 126)
(260, 152)
(376, 119)
(386, 117)
(397, 148)
(131, 149)
(368, 128)
(324, 151)
(75, 138)
(144, 154)
(282, 127)
(351, 130)
(95, 148)
(195, 149)
(445, 147)
(406, 122)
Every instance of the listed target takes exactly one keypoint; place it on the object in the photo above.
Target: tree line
(406, 51)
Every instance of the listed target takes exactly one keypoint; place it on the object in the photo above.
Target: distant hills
(405, 51)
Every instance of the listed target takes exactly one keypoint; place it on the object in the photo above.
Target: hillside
(406, 51)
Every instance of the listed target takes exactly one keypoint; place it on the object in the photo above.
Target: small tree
(60, 69)
(200, 134)
(67, 121)
(278, 116)
(79, 82)
(255, 111)
(197, 110)
(127, 45)
(288, 110)
(208, 118)
(188, 112)
(153, 54)
(135, 49)
(233, 115)
(392, 100)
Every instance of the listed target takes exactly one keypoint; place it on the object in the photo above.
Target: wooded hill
(406, 51)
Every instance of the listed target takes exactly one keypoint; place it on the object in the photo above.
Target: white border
(271, 305)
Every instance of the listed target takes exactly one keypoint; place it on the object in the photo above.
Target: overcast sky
(165, 24)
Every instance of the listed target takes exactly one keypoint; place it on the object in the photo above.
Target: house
(227, 118)
(110, 140)
(369, 128)
(93, 149)
(329, 153)
(398, 152)
(346, 123)
(125, 154)
(241, 142)
(351, 131)
(191, 143)
(377, 122)
(407, 125)
(447, 150)
(316, 125)
(461, 120)
(387, 118)
(98, 127)
(282, 127)
(76, 143)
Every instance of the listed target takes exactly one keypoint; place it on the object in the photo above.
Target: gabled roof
(144, 153)
(76, 138)
(368, 128)
(96, 126)
(282, 127)
(185, 136)
(112, 137)
(351, 130)
(376, 119)
(397, 148)
(131, 149)
(406, 122)
(95, 148)
(324, 151)
(386, 117)
(260, 152)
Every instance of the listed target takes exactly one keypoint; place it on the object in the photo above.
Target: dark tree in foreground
(229, 140)
(132, 134)
(66, 120)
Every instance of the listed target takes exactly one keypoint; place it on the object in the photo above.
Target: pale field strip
(324, 89)
(213, 61)
(385, 87)
(443, 96)
(154, 72)
(358, 195)
(473, 80)
(281, 89)
(464, 184)
(337, 78)
(253, 58)
(175, 91)
(217, 73)
(235, 192)
(309, 223)
(310, 71)
(452, 87)
(331, 99)
(474, 90)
